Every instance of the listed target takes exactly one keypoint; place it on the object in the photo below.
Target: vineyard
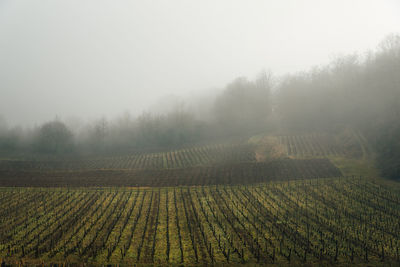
(321, 145)
(194, 156)
(335, 220)
(207, 165)
(241, 173)
(217, 204)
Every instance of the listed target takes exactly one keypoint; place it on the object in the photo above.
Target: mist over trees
(350, 90)
(53, 137)
(361, 92)
(242, 108)
(245, 106)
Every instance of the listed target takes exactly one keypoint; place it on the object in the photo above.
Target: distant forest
(361, 92)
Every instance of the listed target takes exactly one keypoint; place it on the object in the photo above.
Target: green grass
(355, 167)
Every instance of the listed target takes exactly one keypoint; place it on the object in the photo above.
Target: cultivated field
(190, 157)
(336, 220)
(220, 204)
(240, 173)
(348, 143)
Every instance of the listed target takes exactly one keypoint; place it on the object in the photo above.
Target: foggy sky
(90, 58)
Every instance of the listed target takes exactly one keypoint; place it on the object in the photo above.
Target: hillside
(307, 199)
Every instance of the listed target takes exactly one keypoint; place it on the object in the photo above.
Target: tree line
(362, 92)
(241, 109)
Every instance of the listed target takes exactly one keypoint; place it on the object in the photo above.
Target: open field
(336, 220)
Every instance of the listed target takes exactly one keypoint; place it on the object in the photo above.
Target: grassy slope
(363, 166)
(356, 167)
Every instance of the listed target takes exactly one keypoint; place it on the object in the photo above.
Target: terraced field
(313, 221)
